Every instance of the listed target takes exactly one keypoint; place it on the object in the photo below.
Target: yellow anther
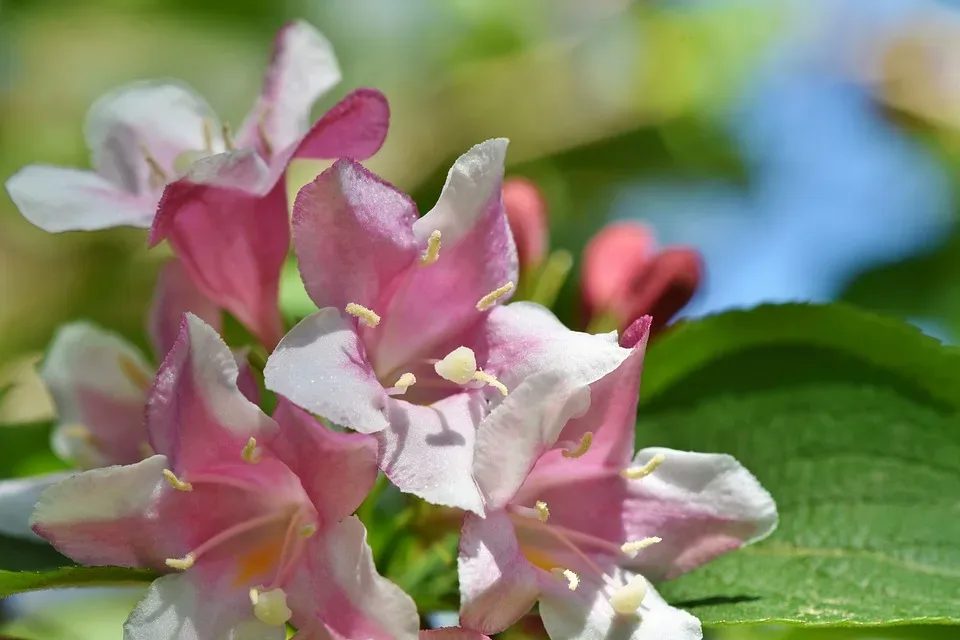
(78, 432)
(175, 482)
(491, 298)
(158, 177)
(134, 373)
(432, 254)
(262, 132)
(404, 382)
(270, 607)
(573, 580)
(366, 316)
(146, 450)
(227, 136)
(582, 447)
(543, 512)
(207, 135)
(633, 547)
(307, 530)
(645, 470)
(459, 366)
(486, 378)
(251, 452)
(181, 564)
(628, 598)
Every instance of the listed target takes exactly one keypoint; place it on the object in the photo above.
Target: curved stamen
(632, 473)
(577, 449)
(254, 523)
(293, 540)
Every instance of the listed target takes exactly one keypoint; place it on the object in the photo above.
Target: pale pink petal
(337, 470)
(452, 633)
(497, 584)
(428, 450)
(355, 127)
(174, 295)
(321, 366)
(181, 607)
(353, 235)
(337, 585)
(233, 245)
(302, 68)
(240, 169)
(246, 381)
(59, 199)
(159, 118)
(431, 304)
(587, 614)
(526, 211)
(18, 498)
(99, 383)
(196, 415)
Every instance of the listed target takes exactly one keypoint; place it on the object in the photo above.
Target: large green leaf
(12, 582)
(850, 421)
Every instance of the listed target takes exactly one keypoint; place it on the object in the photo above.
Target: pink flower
(411, 340)
(248, 516)
(527, 214)
(572, 522)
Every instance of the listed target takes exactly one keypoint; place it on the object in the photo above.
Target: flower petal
(321, 366)
(108, 516)
(176, 607)
(337, 586)
(18, 498)
(98, 382)
(174, 295)
(58, 199)
(428, 450)
(452, 633)
(232, 244)
(355, 127)
(353, 234)
(586, 614)
(497, 584)
(196, 414)
(303, 67)
(317, 454)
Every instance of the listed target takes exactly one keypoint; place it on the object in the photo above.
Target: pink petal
(337, 470)
(196, 415)
(100, 382)
(526, 211)
(610, 261)
(337, 586)
(302, 68)
(497, 584)
(321, 366)
(353, 235)
(58, 199)
(18, 498)
(452, 633)
(174, 295)
(246, 381)
(428, 450)
(232, 244)
(355, 127)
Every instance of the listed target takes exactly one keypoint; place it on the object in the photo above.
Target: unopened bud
(526, 212)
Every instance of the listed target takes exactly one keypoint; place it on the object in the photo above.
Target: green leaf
(850, 421)
(12, 582)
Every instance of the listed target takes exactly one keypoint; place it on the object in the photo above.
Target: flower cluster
(415, 365)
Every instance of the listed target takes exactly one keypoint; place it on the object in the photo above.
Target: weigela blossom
(572, 522)
(223, 204)
(412, 340)
(248, 516)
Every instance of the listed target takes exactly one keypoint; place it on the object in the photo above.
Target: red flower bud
(527, 214)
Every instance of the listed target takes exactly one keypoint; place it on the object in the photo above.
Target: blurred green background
(807, 148)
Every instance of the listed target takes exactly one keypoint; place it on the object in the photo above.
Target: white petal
(18, 498)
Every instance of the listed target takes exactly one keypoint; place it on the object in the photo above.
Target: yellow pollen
(207, 135)
(645, 470)
(270, 607)
(262, 132)
(307, 530)
(543, 512)
(582, 447)
(158, 177)
(79, 432)
(491, 298)
(366, 316)
(251, 452)
(146, 450)
(134, 373)
(486, 378)
(405, 381)
(628, 598)
(459, 366)
(181, 564)
(432, 253)
(175, 482)
(573, 580)
(227, 136)
(635, 546)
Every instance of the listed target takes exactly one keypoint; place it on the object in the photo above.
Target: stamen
(207, 135)
(645, 470)
(432, 253)
(491, 298)
(628, 598)
(270, 607)
(366, 316)
(175, 482)
(633, 547)
(573, 580)
(146, 450)
(251, 452)
(307, 531)
(158, 177)
(581, 448)
(79, 432)
(543, 512)
(181, 564)
(262, 133)
(227, 136)
(459, 366)
(134, 373)
(486, 378)
(403, 383)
